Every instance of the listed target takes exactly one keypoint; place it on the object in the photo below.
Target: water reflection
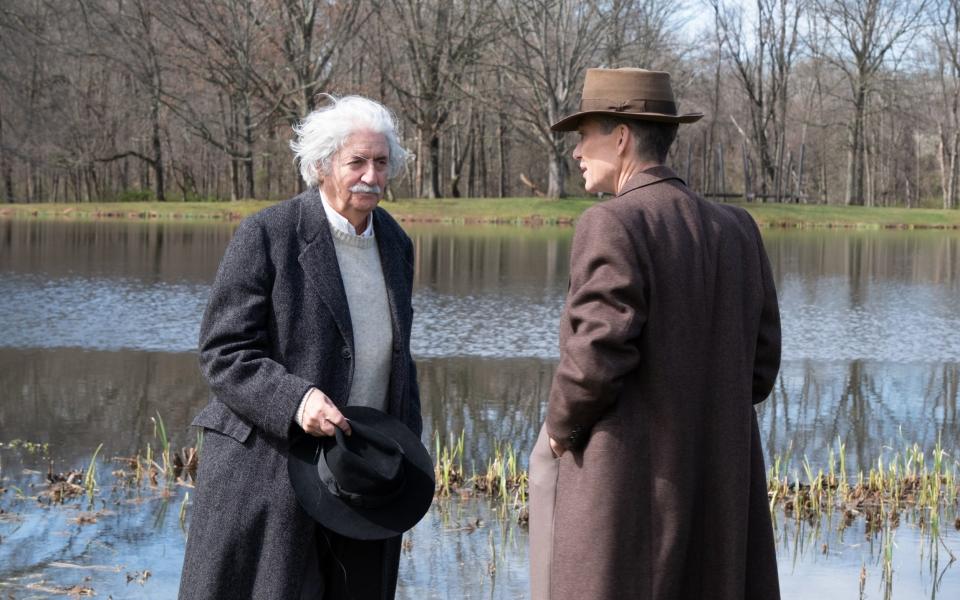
(482, 259)
(147, 251)
(926, 257)
(870, 406)
(825, 559)
(98, 324)
(75, 399)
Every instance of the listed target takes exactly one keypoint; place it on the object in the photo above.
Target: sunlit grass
(518, 211)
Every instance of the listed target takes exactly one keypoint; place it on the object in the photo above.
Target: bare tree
(762, 54)
(126, 35)
(222, 42)
(644, 35)
(104, 99)
(426, 50)
(868, 35)
(552, 44)
(311, 39)
(946, 44)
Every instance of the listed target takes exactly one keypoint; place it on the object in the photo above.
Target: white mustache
(362, 188)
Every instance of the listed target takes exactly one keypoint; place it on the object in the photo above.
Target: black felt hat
(371, 485)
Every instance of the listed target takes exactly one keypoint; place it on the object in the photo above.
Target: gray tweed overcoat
(277, 323)
(670, 335)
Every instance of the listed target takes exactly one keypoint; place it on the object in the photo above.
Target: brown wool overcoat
(670, 335)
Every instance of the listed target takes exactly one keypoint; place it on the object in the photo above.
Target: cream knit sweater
(362, 274)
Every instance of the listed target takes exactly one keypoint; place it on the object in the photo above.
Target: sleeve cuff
(303, 404)
(571, 438)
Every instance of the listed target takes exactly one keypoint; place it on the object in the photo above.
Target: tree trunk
(455, 164)
(248, 152)
(721, 170)
(472, 169)
(157, 150)
(483, 159)
(268, 163)
(746, 172)
(798, 193)
(234, 179)
(954, 170)
(433, 191)
(855, 158)
(556, 175)
(502, 189)
(418, 170)
(705, 165)
(6, 167)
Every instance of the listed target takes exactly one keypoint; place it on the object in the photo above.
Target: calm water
(98, 323)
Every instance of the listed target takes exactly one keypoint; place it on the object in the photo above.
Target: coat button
(576, 438)
(345, 352)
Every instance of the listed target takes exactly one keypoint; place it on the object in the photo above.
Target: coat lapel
(395, 270)
(392, 262)
(319, 261)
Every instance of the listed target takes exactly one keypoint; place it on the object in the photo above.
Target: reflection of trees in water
(920, 558)
(860, 257)
(76, 399)
(872, 407)
(149, 250)
(478, 261)
(490, 400)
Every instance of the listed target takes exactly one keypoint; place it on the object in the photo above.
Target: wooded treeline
(817, 101)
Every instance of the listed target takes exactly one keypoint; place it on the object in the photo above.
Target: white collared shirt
(340, 222)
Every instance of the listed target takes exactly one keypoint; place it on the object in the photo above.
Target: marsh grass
(910, 483)
(905, 481)
(164, 470)
(90, 477)
(501, 480)
(448, 466)
(922, 483)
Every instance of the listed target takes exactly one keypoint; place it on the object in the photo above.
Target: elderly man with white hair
(310, 312)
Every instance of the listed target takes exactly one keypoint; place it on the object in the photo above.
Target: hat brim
(364, 523)
(570, 123)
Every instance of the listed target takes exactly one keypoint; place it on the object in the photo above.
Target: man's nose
(369, 173)
(576, 152)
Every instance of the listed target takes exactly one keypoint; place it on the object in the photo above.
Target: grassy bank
(525, 211)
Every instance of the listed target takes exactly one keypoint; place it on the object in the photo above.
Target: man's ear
(623, 139)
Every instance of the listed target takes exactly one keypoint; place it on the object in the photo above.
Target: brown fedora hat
(629, 93)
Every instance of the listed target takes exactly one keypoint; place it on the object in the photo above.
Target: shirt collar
(341, 223)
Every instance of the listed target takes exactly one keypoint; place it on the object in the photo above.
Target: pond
(99, 321)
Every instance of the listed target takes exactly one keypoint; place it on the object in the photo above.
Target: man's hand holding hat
(319, 416)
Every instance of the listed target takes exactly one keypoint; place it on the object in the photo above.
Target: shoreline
(526, 212)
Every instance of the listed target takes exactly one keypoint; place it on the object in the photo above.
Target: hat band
(361, 500)
(636, 105)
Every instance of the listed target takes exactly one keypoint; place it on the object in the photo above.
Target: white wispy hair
(325, 130)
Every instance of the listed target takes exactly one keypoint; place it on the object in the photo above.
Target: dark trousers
(341, 568)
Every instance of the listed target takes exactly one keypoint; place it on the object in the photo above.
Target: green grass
(490, 210)
(801, 215)
(527, 211)
(135, 210)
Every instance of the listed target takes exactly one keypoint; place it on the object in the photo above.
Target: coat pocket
(218, 417)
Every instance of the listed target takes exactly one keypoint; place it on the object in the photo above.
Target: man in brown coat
(648, 479)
